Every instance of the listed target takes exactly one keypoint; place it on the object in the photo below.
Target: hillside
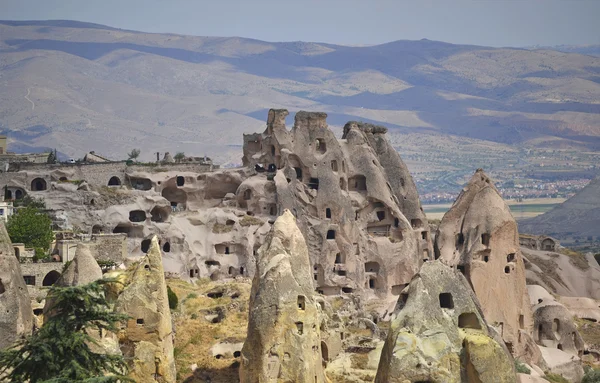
(79, 87)
(579, 216)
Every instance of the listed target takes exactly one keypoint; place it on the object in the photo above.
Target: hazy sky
(483, 22)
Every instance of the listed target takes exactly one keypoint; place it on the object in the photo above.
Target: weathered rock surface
(355, 201)
(147, 340)
(553, 323)
(283, 342)
(440, 335)
(82, 270)
(479, 237)
(16, 315)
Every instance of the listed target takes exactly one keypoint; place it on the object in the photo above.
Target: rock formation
(355, 202)
(283, 342)
(556, 333)
(440, 334)
(16, 315)
(82, 270)
(479, 237)
(147, 340)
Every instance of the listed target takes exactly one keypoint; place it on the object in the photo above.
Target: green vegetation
(106, 265)
(180, 156)
(592, 375)
(28, 201)
(59, 352)
(555, 378)
(173, 300)
(134, 154)
(521, 368)
(31, 227)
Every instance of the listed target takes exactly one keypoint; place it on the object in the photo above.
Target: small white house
(6, 210)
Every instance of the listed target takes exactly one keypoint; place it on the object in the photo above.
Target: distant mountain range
(79, 87)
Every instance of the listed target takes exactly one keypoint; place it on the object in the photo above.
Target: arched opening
(548, 244)
(330, 234)
(301, 302)
(159, 214)
(114, 181)
(340, 258)
(145, 246)
(372, 283)
(167, 247)
(556, 328)
(237, 354)
(468, 320)
(320, 146)
(38, 312)
(510, 257)
(416, 223)
(137, 216)
(327, 213)
(247, 194)
(51, 278)
(7, 194)
(17, 253)
(19, 194)
(97, 229)
(180, 181)
(272, 209)
(63, 179)
(324, 353)
(38, 184)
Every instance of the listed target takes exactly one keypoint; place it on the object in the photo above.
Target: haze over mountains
(79, 87)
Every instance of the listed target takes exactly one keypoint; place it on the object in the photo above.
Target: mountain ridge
(120, 88)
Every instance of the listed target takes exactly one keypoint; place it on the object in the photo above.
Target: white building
(6, 210)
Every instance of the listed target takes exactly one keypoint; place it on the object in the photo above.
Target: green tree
(173, 300)
(52, 157)
(59, 352)
(179, 156)
(29, 225)
(134, 154)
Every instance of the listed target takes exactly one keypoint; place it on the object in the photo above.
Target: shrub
(591, 376)
(555, 378)
(521, 367)
(173, 300)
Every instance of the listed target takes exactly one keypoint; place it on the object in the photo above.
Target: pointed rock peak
(16, 315)
(84, 268)
(153, 258)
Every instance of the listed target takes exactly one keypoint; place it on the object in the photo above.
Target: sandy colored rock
(147, 340)
(479, 237)
(283, 343)
(355, 202)
(16, 315)
(563, 363)
(440, 321)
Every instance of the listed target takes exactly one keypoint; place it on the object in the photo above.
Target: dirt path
(27, 98)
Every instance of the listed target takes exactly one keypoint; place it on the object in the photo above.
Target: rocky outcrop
(16, 315)
(440, 334)
(283, 342)
(479, 237)
(355, 202)
(147, 340)
(82, 270)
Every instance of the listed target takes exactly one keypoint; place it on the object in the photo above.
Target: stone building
(539, 242)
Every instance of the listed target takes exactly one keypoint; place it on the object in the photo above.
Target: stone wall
(95, 174)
